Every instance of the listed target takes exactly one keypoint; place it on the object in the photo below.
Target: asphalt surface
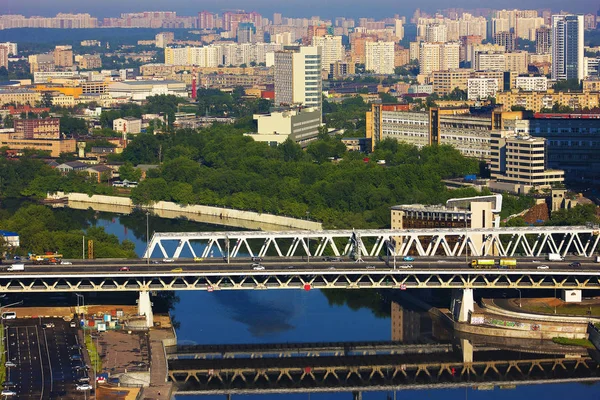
(42, 356)
(276, 263)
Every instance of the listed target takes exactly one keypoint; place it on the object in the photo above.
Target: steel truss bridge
(301, 280)
(528, 241)
(370, 373)
(307, 279)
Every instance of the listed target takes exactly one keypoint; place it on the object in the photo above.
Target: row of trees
(220, 166)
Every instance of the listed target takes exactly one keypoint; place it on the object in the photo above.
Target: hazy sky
(292, 8)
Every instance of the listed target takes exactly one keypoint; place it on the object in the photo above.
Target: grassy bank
(95, 359)
(574, 342)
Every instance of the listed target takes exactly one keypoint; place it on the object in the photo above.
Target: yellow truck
(483, 263)
(509, 263)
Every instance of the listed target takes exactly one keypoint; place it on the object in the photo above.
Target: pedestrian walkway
(159, 388)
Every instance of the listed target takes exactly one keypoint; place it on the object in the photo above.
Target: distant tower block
(81, 149)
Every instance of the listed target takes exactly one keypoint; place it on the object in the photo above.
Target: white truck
(598, 259)
(555, 257)
(16, 267)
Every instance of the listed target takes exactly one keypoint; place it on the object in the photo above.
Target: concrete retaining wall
(220, 214)
(511, 333)
(490, 306)
(594, 335)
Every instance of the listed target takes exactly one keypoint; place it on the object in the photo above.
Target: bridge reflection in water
(410, 369)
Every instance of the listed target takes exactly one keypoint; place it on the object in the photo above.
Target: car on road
(10, 364)
(405, 266)
(8, 384)
(84, 387)
(168, 260)
(177, 270)
(8, 392)
(331, 268)
(155, 262)
(258, 267)
(408, 258)
(258, 259)
(73, 324)
(63, 262)
(575, 264)
(125, 269)
(198, 259)
(84, 379)
(81, 367)
(48, 325)
(370, 267)
(543, 267)
(75, 346)
(75, 357)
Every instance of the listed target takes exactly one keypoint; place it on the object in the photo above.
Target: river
(300, 316)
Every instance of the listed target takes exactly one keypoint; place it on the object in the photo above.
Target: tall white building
(297, 76)
(489, 61)
(436, 33)
(379, 57)
(331, 49)
(438, 57)
(399, 29)
(567, 47)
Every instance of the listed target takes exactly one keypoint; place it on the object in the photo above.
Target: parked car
(408, 258)
(543, 267)
(84, 387)
(73, 324)
(8, 392)
(125, 269)
(10, 364)
(168, 260)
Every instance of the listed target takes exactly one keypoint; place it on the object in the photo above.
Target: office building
(19, 96)
(572, 143)
(127, 125)
(299, 125)
(517, 62)
(567, 47)
(37, 128)
(519, 162)
(140, 90)
(481, 88)
(297, 76)
(379, 57)
(332, 50)
(55, 147)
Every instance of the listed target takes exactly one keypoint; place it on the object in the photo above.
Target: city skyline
(305, 8)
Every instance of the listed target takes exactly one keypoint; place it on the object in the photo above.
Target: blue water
(300, 316)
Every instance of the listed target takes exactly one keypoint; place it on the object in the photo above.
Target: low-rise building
(127, 125)
(300, 125)
(37, 128)
(536, 101)
(19, 96)
(140, 90)
(71, 166)
(481, 88)
(531, 83)
(54, 146)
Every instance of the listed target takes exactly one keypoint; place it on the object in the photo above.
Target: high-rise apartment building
(297, 76)
(399, 29)
(567, 47)
(63, 56)
(506, 39)
(542, 40)
(438, 57)
(436, 33)
(163, 39)
(207, 20)
(3, 56)
(489, 61)
(331, 49)
(379, 57)
(481, 88)
(246, 32)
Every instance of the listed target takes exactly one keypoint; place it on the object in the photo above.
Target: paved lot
(43, 368)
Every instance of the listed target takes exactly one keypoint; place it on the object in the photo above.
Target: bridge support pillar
(145, 307)
(467, 350)
(462, 304)
(357, 395)
(571, 295)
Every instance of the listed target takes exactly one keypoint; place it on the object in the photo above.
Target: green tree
(128, 172)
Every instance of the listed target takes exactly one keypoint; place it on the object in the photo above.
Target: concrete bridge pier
(145, 307)
(357, 395)
(462, 304)
(467, 350)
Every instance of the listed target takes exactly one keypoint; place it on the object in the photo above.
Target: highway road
(280, 264)
(42, 368)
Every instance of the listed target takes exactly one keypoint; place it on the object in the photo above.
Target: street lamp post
(519, 290)
(147, 237)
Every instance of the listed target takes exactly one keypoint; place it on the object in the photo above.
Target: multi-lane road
(278, 264)
(38, 358)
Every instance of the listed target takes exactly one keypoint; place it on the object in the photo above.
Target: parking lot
(44, 352)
